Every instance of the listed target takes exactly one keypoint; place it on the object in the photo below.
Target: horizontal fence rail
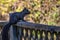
(2, 23)
(33, 31)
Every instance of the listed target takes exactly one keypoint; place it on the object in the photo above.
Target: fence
(32, 31)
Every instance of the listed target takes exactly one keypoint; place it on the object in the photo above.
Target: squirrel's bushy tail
(5, 32)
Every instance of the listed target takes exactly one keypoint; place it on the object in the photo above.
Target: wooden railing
(32, 31)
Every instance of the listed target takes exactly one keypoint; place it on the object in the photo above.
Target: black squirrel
(14, 18)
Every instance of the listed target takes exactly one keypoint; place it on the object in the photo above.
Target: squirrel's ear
(25, 9)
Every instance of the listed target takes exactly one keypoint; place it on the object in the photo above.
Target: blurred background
(42, 11)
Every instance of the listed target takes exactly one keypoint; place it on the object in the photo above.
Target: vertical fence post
(13, 33)
(20, 31)
(58, 36)
(35, 34)
(29, 34)
(46, 35)
(52, 35)
(41, 37)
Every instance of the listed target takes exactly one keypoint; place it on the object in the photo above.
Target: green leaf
(55, 15)
(51, 23)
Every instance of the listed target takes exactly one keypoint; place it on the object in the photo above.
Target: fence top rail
(38, 26)
(34, 26)
(2, 23)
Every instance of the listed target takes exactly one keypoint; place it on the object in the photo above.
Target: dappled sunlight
(43, 11)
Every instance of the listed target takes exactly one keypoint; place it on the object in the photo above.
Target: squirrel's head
(26, 11)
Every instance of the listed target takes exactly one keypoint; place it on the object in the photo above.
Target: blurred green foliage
(42, 11)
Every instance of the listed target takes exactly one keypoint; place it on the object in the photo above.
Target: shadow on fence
(32, 31)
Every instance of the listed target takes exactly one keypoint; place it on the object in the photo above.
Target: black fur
(14, 18)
